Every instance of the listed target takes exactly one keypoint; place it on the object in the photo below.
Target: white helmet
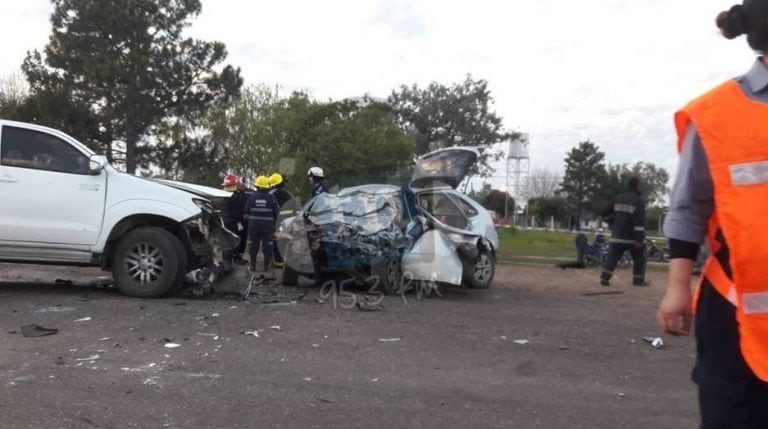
(315, 172)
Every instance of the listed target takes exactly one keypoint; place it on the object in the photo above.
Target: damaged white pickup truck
(62, 204)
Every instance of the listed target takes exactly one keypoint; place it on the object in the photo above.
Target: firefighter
(232, 215)
(261, 213)
(626, 214)
(288, 205)
(317, 180)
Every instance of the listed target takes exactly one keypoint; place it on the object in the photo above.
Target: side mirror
(96, 163)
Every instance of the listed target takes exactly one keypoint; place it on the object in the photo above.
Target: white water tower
(518, 169)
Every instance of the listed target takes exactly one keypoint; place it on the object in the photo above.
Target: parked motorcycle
(595, 254)
(654, 253)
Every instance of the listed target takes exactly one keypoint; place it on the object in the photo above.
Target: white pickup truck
(62, 204)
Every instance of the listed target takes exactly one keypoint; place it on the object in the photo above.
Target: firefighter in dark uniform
(288, 205)
(626, 215)
(232, 215)
(317, 180)
(261, 212)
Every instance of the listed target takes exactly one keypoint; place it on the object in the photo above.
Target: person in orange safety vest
(720, 194)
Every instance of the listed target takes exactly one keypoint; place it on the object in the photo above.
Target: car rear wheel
(389, 275)
(148, 263)
(484, 270)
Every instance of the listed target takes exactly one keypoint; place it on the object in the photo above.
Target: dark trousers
(730, 395)
(237, 252)
(263, 238)
(638, 261)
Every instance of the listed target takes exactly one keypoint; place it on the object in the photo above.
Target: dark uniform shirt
(234, 207)
(626, 214)
(261, 210)
(286, 202)
(319, 188)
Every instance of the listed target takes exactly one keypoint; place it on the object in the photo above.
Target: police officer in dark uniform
(261, 212)
(626, 215)
(317, 180)
(289, 206)
(232, 215)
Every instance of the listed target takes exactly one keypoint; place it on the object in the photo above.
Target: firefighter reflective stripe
(751, 173)
(286, 212)
(624, 208)
(639, 228)
(754, 303)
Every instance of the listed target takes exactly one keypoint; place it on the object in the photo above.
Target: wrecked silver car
(387, 236)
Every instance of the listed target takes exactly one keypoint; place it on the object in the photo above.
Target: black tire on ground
(148, 263)
(484, 270)
(390, 276)
(290, 276)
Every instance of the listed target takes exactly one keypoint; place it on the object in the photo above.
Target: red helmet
(230, 182)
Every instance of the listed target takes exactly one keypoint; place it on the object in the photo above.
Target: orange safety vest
(734, 133)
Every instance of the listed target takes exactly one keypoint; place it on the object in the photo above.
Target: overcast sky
(564, 71)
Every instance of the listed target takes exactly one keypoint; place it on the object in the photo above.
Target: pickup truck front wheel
(148, 263)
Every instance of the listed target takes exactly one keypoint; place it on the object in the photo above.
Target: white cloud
(611, 71)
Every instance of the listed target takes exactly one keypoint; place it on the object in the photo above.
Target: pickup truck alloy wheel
(148, 262)
(144, 263)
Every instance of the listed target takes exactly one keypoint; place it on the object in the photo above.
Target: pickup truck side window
(24, 148)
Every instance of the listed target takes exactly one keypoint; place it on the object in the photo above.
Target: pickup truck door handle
(7, 178)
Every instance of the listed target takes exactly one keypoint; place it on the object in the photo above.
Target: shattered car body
(427, 232)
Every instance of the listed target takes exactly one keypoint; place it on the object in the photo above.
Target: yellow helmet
(261, 182)
(275, 179)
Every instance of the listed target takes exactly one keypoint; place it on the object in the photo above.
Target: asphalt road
(533, 351)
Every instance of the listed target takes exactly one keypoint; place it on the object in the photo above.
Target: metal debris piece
(367, 306)
(521, 342)
(389, 340)
(656, 342)
(84, 319)
(89, 358)
(276, 328)
(171, 345)
(34, 330)
(254, 333)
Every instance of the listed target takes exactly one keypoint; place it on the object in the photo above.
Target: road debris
(275, 328)
(254, 333)
(84, 319)
(35, 330)
(307, 378)
(327, 401)
(607, 292)
(105, 339)
(656, 342)
(389, 340)
(367, 306)
(171, 345)
(89, 358)
(521, 342)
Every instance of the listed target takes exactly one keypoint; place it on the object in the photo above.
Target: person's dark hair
(750, 18)
(633, 183)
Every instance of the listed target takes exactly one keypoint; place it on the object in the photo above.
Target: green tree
(496, 200)
(126, 67)
(460, 114)
(354, 141)
(653, 181)
(545, 208)
(584, 181)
